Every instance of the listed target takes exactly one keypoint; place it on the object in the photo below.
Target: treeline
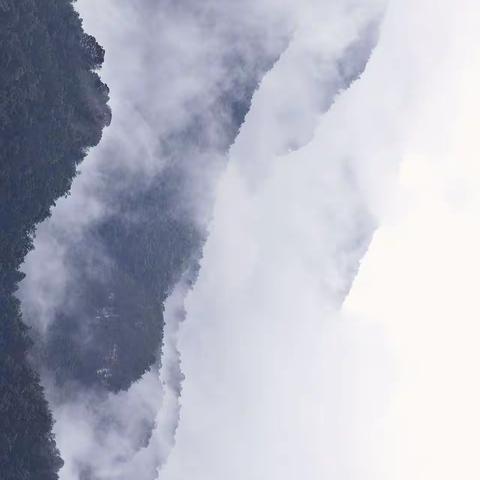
(53, 107)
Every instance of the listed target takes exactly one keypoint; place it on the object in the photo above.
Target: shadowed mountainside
(107, 330)
(53, 107)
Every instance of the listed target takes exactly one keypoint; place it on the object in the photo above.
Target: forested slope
(106, 330)
(53, 107)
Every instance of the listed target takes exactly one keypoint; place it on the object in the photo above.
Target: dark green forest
(53, 107)
(109, 330)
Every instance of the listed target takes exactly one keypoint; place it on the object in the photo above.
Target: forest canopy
(53, 108)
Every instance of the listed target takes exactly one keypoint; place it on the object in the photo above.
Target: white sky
(420, 277)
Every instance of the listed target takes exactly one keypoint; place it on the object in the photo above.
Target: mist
(277, 383)
(305, 176)
(181, 77)
(109, 435)
(281, 380)
(179, 93)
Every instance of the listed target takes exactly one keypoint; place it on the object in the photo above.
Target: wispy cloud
(274, 380)
(181, 74)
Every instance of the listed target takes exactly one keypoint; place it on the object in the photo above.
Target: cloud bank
(263, 374)
(274, 381)
(114, 436)
(279, 382)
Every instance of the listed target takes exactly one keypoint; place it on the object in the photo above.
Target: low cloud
(181, 75)
(276, 384)
(279, 381)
